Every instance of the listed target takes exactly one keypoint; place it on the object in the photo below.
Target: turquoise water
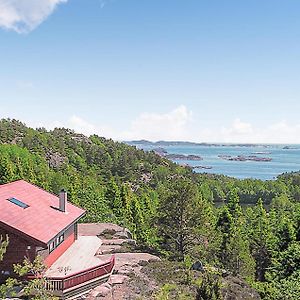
(283, 160)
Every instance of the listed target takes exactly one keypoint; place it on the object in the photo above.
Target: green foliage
(260, 238)
(35, 288)
(7, 289)
(3, 246)
(209, 286)
(181, 216)
(234, 251)
(165, 291)
(168, 208)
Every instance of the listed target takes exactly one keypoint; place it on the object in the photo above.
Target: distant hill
(165, 143)
(185, 143)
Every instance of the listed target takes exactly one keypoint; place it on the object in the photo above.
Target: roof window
(18, 202)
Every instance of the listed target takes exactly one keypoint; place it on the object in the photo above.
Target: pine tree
(233, 204)
(113, 197)
(233, 252)
(285, 234)
(180, 214)
(225, 225)
(259, 232)
(126, 213)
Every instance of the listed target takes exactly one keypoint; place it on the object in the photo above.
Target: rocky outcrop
(117, 240)
(140, 275)
(235, 288)
(104, 231)
(54, 159)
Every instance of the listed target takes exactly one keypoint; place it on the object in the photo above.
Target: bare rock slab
(118, 279)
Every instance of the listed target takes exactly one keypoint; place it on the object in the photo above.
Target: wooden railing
(69, 281)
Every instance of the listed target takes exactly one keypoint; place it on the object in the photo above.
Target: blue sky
(200, 70)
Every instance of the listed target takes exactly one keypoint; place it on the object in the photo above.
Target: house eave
(23, 235)
(66, 228)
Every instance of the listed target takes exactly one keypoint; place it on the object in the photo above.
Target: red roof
(40, 221)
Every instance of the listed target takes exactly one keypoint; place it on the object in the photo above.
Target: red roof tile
(40, 220)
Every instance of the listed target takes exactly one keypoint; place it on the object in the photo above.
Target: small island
(261, 152)
(191, 157)
(245, 158)
(202, 167)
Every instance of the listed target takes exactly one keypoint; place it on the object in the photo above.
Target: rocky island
(191, 157)
(175, 156)
(245, 158)
(160, 151)
(261, 152)
(202, 167)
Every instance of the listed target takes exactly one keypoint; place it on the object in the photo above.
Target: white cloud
(282, 132)
(239, 131)
(23, 16)
(240, 128)
(79, 125)
(243, 132)
(178, 124)
(154, 126)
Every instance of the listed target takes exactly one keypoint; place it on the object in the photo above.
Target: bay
(285, 158)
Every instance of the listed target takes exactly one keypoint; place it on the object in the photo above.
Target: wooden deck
(79, 270)
(80, 256)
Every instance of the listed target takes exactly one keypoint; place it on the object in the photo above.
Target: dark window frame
(56, 242)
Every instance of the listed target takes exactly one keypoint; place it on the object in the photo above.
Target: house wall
(51, 256)
(18, 249)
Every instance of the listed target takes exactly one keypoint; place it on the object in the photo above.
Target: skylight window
(18, 202)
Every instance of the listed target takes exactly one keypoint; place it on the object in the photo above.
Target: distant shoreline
(258, 161)
(184, 143)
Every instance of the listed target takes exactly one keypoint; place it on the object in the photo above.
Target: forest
(248, 228)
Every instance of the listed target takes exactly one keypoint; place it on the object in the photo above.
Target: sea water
(283, 160)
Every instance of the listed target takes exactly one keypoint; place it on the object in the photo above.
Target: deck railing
(69, 281)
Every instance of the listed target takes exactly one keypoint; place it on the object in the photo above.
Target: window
(61, 238)
(18, 202)
(56, 242)
(51, 247)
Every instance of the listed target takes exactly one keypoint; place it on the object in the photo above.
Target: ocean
(284, 158)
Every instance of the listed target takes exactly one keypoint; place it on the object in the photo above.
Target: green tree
(209, 287)
(233, 251)
(180, 214)
(233, 204)
(260, 237)
(285, 234)
(113, 198)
